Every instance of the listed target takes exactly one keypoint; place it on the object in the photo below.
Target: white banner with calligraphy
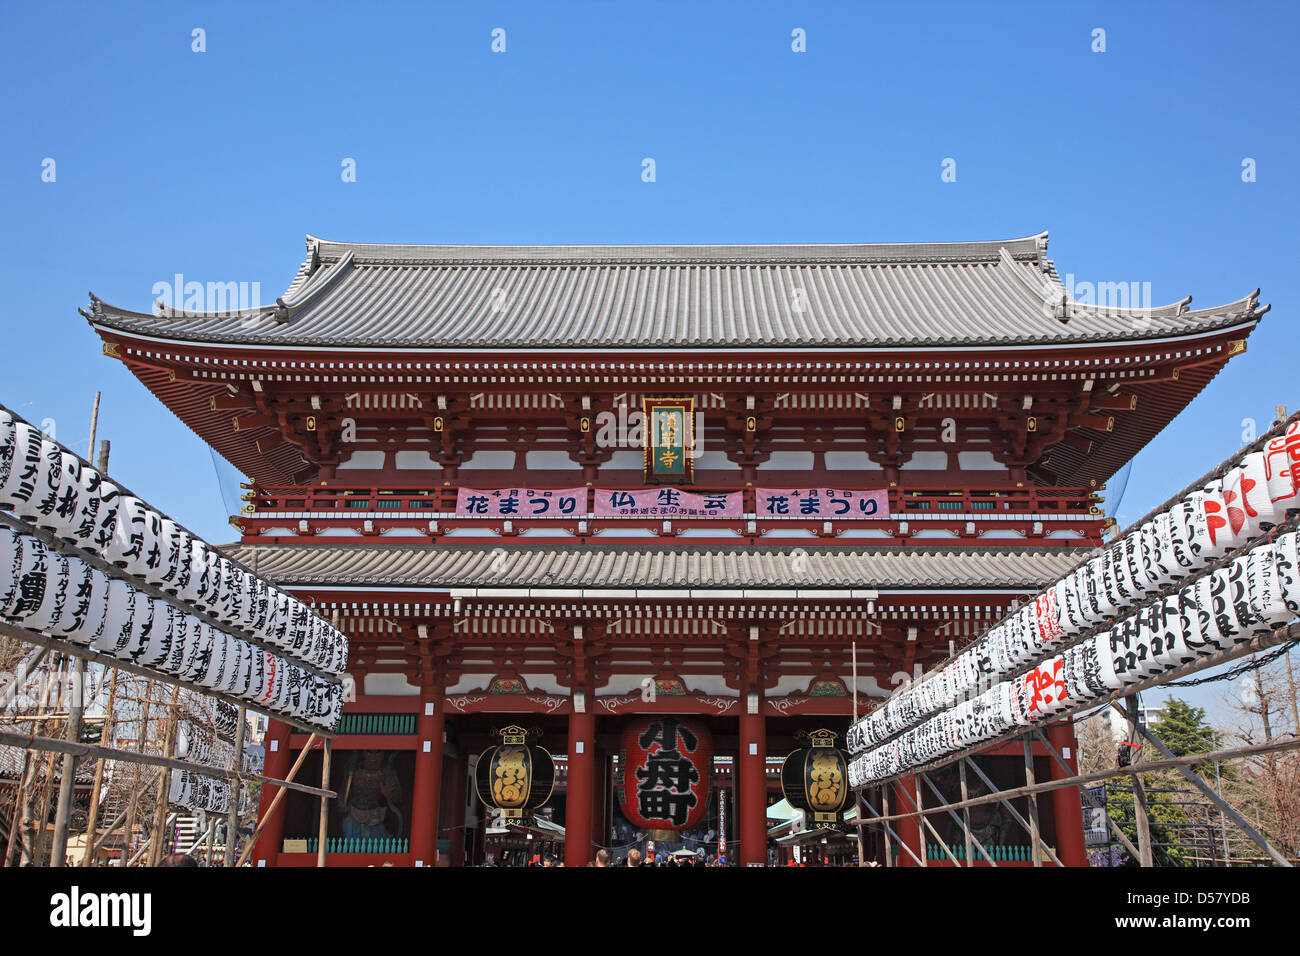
(666, 503)
(521, 502)
(820, 503)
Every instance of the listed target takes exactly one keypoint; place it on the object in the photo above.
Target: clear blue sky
(216, 164)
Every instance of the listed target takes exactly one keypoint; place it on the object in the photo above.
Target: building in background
(586, 488)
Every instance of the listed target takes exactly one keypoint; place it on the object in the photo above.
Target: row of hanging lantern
(197, 744)
(60, 595)
(1207, 524)
(200, 792)
(1252, 594)
(46, 486)
(666, 767)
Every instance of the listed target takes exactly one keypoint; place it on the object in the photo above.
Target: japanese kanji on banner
(666, 765)
(669, 439)
(820, 503)
(666, 503)
(521, 502)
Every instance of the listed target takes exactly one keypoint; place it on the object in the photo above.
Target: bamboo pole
(1032, 804)
(965, 817)
(886, 829)
(59, 843)
(47, 785)
(142, 735)
(28, 742)
(232, 815)
(160, 806)
(105, 738)
(323, 830)
(15, 838)
(857, 802)
(1145, 857)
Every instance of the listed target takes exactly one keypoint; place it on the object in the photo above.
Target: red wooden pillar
(458, 795)
(753, 787)
(1066, 805)
(428, 778)
(276, 765)
(578, 789)
(909, 828)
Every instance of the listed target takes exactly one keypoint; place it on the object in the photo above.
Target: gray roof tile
(441, 566)
(775, 296)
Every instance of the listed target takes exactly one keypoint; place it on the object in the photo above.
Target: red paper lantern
(666, 764)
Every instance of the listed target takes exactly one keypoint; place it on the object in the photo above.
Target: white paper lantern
(1212, 595)
(1179, 539)
(1267, 600)
(1282, 470)
(1149, 623)
(130, 641)
(126, 546)
(1216, 517)
(30, 574)
(175, 555)
(1286, 554)
(1112, 662)
(1110, 579)
(169, 625)
(1046, 615)
(1172, 647)
(56, 499)
(1204, 546)
(96, 517)
(1043, 690)
(216, 665)
(119, 615)
(91, 609)
(24, 469)
(7, 425)
(1258, 509)
(156, 645)
(48, 612)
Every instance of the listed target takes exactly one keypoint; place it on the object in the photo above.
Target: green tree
(1182, 728)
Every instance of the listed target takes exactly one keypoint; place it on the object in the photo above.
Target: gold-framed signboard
(669, 441)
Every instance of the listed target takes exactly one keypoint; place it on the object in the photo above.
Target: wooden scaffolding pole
(1145, 857)
(160, 802)
(59, 844)
(323, 830)
(232, 815)
(106, 737)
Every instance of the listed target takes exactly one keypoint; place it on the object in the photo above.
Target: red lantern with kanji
(666, 763)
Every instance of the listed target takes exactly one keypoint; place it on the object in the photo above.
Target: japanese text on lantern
(666, 781)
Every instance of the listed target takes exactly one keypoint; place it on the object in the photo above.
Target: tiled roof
(608, 297)
(441, 566)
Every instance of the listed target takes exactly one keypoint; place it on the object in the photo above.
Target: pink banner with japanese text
(666, 503)
(820, 503)
(521, 502)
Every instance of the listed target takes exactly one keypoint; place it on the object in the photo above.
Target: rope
(1234, 672)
